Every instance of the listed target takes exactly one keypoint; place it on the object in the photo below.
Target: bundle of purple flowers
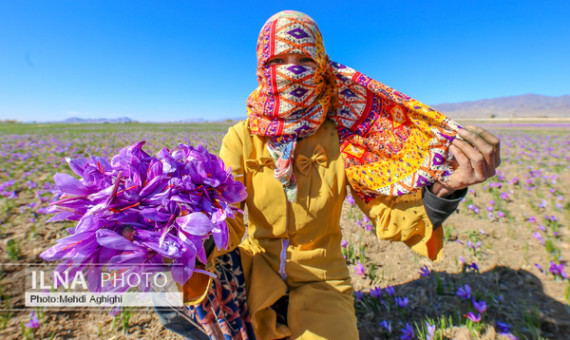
(138, 211)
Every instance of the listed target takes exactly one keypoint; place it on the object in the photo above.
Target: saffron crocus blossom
(557, 269)
(376, 292)
(350, 199)
(503, 328)
(387, 325)
(358, 295)
(389, 289)
(474, 266)
(344, 243)
(33, 322)
(424, 271)
(464, 292)
(537, 236)
(402, 302)
(480, 306)
(359, 269)
(430, 331)
(407, 332)
(115, 311)
(474, 246)
(471, 316)
(138, 210)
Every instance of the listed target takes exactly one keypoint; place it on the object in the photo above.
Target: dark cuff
(209, 245)
(440, 208)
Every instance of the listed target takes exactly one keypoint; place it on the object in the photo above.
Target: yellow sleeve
(404, 218)
(231, 153)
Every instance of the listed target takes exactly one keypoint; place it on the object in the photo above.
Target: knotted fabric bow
(305, 164)
(255, 166)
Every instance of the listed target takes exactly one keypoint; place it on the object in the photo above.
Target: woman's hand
(475, 159)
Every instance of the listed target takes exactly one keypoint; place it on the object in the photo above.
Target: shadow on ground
(515, 297)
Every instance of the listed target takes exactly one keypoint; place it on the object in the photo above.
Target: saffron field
(503, 273)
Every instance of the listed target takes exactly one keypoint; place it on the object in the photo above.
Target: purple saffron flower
(480, 306)
(503, 327)
(402, 302)
(430, 331)
(344, 243)
(387, 325)
(531, 219)
(474, 266)
(537, 236)
(474, 246)
(358, 295)
(376, 292)
(359, 269)
(557, 269)
(350, 199)
(143, 209)
(407, 332)
(33, 322)
(424, 271)
(500, 214)
(539, 267)
(464, 292)
(504, 195)
(471, 316)
(115, 310)
(390, 290)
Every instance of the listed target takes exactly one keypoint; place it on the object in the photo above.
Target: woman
(315, 130)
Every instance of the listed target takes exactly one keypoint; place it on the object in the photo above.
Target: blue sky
(177, 60)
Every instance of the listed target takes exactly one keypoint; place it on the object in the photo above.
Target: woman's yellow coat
(317, 281)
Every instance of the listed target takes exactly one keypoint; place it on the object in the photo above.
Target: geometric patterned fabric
(391, 144)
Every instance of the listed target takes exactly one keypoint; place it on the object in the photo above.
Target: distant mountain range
(76, 120)
(525, 106)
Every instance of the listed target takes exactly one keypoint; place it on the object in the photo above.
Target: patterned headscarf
(391, 144)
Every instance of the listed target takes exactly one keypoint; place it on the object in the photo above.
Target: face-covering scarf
(390, 143)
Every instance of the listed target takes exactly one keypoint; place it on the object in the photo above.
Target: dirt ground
(533, 301)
